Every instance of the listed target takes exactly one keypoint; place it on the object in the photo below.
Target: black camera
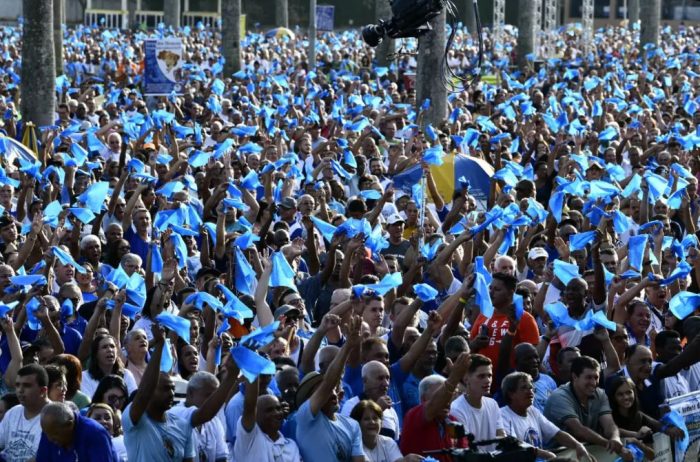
(409, 19)
(508, 449)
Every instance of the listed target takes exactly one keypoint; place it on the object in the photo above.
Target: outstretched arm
(212, 405)
(410, 359)
(263, 310)
(149, 381)
(250, 404)
(328, 322)
(443, 396)
(335, 371)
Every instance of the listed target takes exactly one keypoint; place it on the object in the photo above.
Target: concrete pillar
(650, 18)
(527, 10)
(431, 48)
(382, 10)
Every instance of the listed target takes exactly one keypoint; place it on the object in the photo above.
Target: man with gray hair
(504, 264)
(204, 398)
(375, 382)
(91, 251)
(65, 431)
(131, 263)
(424, 426)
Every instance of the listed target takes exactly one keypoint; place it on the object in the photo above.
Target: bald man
(66, 432)
(375, 383)
(528, 360)
(258, 434)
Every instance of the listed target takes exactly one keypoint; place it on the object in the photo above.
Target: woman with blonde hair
(111, 420)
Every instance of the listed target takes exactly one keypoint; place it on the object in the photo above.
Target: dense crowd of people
(229, 273)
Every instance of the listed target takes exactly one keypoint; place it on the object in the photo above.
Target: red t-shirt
(498, 325)
(419, 435)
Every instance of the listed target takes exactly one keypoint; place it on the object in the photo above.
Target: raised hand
(7, 324)
(434, 322)
(328, 322)
(353, 331)
(158, 334)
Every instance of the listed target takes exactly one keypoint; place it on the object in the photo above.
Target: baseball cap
(395, 218)
(288, 203)
(537, 252)
(595, 162)
(149, 147)
(286, 310)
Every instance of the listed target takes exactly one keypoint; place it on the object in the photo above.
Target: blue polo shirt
(138, 245)
(90, 442)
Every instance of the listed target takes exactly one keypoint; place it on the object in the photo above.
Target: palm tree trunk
(171, 13)
(429, 84)
(281, 13)
(388, 46)
(526, 31)
(59, 18)
(38, 98)
(231, 35)
(312, 35)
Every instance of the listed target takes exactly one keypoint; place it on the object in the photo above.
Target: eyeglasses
(113, 399)
(295, 302)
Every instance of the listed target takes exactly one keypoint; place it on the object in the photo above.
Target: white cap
(395, 218)
(537, 252)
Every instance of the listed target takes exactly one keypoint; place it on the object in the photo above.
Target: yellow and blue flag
(447, 177)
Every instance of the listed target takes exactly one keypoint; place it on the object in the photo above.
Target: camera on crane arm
(507, 449)
(409, 19)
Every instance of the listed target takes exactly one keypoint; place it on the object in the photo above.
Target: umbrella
(280, 32)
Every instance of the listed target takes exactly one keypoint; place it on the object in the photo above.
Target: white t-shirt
(390, 419)
(534, 429)
(692, 375)
(120, 448)
(673, 386)
(209, 439)
(259, 447)
(89, 385)
(19, 437)
(386, 450)
(482, 423)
